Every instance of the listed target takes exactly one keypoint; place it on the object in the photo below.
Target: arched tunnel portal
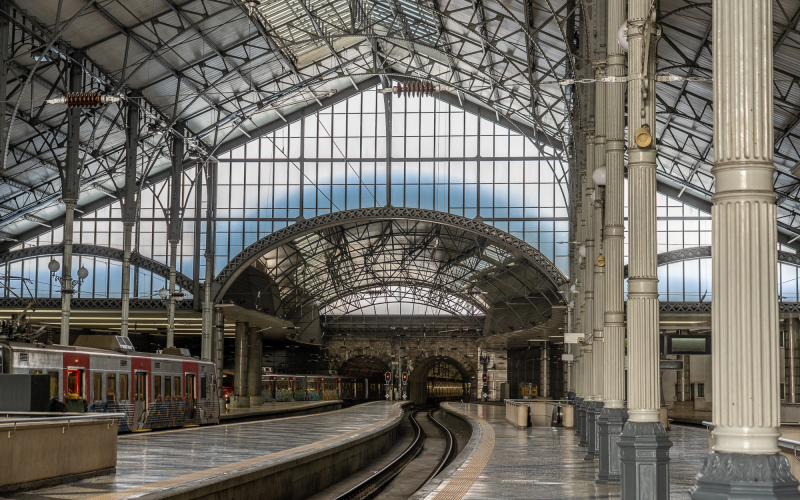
(441, 377)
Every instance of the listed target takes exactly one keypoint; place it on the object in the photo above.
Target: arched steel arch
(305, 226)
(705, 252)
(138, 260)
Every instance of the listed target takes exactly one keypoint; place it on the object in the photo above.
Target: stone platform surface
(177, 457)
(547, 463)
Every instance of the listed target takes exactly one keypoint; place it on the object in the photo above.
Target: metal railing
(28, 417)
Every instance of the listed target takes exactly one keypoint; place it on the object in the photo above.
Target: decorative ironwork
(79, 303)
(142, 262)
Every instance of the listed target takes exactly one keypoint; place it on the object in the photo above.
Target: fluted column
(598, 346)
(644, 445)
(240, 398)
(791, 343)
(586, 361)
(545, 366)
(744, 312)
(614, 415)
(254, 356)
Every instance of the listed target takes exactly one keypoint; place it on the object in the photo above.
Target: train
(446, 390)
(105, 374)
(287, 387)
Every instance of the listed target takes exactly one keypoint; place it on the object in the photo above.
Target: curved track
(372, 486)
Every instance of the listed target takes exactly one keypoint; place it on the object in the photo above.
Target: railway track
(372, 486)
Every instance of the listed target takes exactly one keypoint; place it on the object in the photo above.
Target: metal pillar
(588, 434)
(598, 344)
(208, 344)
(219, 345)
(791, 343)
(683, 384)
(129, 208)
(586, 353)
(644, 444)
(254, 366)
(175, 228)
(613, 416)
(545, 378)
(70, 190)
(744, 313)
(240, 397)
(4, 55)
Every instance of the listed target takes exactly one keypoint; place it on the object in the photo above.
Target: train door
(141, 392)
(76, 368)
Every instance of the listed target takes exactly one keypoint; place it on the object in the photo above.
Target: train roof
(19, 346)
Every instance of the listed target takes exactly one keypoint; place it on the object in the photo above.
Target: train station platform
(284, 456)
(274, 409)
(502, 461)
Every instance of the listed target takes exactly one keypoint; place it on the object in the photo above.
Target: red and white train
(105, 374)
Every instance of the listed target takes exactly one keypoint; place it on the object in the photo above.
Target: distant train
(445, 390)
(283, 388)
(105, 374)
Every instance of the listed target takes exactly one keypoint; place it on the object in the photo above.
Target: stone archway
(364, 366)
(418, 378)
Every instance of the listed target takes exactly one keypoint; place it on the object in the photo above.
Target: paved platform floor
(547, 463)
(158, 456)
(273, 410)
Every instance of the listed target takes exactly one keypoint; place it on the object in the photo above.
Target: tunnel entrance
(441, 378)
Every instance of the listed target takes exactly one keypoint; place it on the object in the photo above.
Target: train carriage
(105, 374)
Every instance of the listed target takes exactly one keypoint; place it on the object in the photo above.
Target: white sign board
(572, 338)
(567, 357)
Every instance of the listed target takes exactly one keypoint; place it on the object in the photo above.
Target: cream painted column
(598, 345)
(644, 445)
(587, 293)
(614, 415)
(586, 353)
(744, 312)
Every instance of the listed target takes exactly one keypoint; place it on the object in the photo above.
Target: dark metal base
(644, 461)
(584, 427)
(729, 475)
(609, 427)
(592, 436)
(576, 415)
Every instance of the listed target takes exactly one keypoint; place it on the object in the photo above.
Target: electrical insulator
(84, 99)
(416, 89)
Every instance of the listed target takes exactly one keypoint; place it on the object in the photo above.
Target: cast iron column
(588, 284)
(588, 371)
(791, 338)
(208, 344)
(597, 333)
(614, 415)
(240, 398)
(644, 445)
(70, 191)
(129, 208)
(219, 345)
(744, 313)
(254, 366)
(175, 228)
(4, 56)
(545, 392)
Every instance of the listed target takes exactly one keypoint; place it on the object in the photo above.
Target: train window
(139, 386)
(227, 380)
(53, 384)
(74, 382)
(167, 387)
(190, 388)
(111, 387)
(157, 387)
(36, 372)
(177, 386)
(97, 386)
(203, 388)
(123, 387)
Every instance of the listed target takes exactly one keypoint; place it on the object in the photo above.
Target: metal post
(644, 444)
(614, 415)
(545, 378)
(219, 346)
(129, 208)
(254, 366)
(683, 384)
(175, 228)
(240, 398)
(586, 382)
(4, 55)
(208, 344)
(598, 344)
(744, 313)
(791, 339)
(70, 193)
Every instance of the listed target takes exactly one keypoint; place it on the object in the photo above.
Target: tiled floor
(547, 463)
(157, 456)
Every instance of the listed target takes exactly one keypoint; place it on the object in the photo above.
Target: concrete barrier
(39, 454)
(517, 413)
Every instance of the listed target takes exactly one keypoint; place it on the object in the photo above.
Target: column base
(240, 402)
(592, 436)
(644, 461)
(733, 475)
(256, 401)
(584, 427)
(576, 415)
(610, 423)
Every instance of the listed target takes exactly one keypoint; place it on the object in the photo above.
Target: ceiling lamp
(622, 36)
(84, 99)
(251, 6)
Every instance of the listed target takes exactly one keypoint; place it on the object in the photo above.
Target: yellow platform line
(461, 483)
(226, 469)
